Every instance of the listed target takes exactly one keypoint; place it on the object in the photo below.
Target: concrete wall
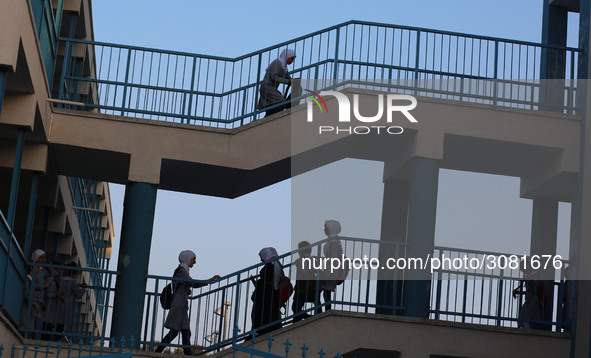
(342, 332)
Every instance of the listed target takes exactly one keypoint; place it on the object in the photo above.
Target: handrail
(480, 296)
(324, 30)
(212, 90)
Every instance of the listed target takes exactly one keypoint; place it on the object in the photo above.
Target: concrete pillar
(394, 218)
(580, 241)
(422, 210)
(544, 230)
(553, 61)
(134, 255)
(554, 31)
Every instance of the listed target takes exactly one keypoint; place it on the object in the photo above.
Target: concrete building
(75, 108)
(68, 217)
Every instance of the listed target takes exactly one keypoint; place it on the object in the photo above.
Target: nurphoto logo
(392, 104)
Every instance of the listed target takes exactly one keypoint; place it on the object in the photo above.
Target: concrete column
(134, 255)
(544, 226)
(394, 218)
(554, 31)
(579, 293)
(544, 230)
(421, 234)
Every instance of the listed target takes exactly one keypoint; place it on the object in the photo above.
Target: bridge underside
(539, 147)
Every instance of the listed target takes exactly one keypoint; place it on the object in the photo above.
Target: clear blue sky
(227, 234)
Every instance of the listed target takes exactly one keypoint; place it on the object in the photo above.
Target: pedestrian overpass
(156, 119)
(189, 122)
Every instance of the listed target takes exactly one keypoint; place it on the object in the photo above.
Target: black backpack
(167, 294)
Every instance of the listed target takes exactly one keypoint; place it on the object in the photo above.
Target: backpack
(285, 290)
(342, 274)
(166, 296)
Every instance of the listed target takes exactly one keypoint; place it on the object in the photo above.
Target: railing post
(236, 330)
(464, 298)
(336, 54)
(496, 68)
(65, 69)
(221, 326)
(126, 81)
(243, 106)
(417, 57)
(189, 107)
(258, 79)
(438, 296)
(500, 300)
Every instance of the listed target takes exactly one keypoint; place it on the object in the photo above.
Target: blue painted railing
(87, 204)
(478, 296)
(219, 91)
(122, 349)
(12, 275)
(47, 30)
(217, 308)
(87, 317)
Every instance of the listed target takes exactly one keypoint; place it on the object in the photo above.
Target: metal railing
(219, 91)
(484, 295)
(47, 30)
(121, 349)
(75, 310)
(12, 262)
(87, 203)
(218, 308)
(478, 296)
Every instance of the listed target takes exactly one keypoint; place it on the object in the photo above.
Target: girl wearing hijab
(266, 302)
(37, 300)
(178, 317)
(276, 74)
(332, 249)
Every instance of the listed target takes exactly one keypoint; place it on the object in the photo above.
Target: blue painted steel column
(554, 28)
(544, 229)
(394, 220)
(553, 61)
(579, 293)
(31, 214)
(134, 254)
(422, 210)
(16, 173)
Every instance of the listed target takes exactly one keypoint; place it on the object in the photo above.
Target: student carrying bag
(167, 294)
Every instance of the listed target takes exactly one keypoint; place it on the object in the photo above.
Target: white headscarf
(37, 254)
(285, 54)
(185, 258)
(267, 254)
(332, 248)
(333, 227)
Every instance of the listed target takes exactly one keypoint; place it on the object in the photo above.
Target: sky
(228, 234)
